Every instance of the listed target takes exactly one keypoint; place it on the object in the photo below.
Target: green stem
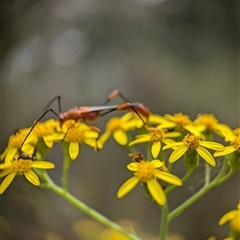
(223, 168)
(66, 165)
(164, 223)
(180, 209)
(207, 173)
(84, 208)
(173, 187)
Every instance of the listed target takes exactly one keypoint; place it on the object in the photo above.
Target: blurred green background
(174, 56)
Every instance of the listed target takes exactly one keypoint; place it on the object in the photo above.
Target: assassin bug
(91, 113)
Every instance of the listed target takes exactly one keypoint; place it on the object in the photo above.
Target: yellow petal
(5, 165)
(43, 165)
(91, 134)
(5, 172)
(169, 117)
(10, 155)
(206, 155)
(127, 116)
(168, 177)
(133, 166)
(227, 217)
(156, 119)
(177, 153)
(193, 129)
(73, 150)
(156, 192)
(2, 156)
(157, 163)
(167, 141)
(120, 136)
(144, 138)
(155, 149)
(127, 187)
(226, 151)
(212, 145)
(104, 137)
(94, 144)
(49, 143)
(131, 125)
(7, 181)
(172, 134)
(28, 148)
(167, 124)
(32, 177)
(173, 145)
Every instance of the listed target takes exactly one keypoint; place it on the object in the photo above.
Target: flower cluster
(18, 156)
(187, 138)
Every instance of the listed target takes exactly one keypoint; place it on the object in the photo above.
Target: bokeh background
(174, 56)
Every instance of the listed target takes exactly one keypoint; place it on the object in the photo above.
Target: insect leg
(113, 94)
(49, 110)
(47, 107)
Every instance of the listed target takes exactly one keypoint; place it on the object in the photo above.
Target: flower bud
(191, 159)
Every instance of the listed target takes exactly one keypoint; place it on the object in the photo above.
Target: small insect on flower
(22, 165)
(136, 157)
(148, 173)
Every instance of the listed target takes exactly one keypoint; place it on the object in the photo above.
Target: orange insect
(91, 113)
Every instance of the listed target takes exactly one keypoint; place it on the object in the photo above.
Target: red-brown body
(92, 113)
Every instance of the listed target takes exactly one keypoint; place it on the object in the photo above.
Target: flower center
(43, 129)
(20, 166)
(191, 141)
(181, 119)
(236, 143)
(145, 171)
(208, 120)
(157, 135)
(16, 140)
(75, 134)
(113, 124)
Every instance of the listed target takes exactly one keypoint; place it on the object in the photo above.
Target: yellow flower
(148, 172)
(80, 133)
(211, 124)
(182, 121)
(233, 217)
(21, 165)
(46, 131)
(14, 143)
(156, 136)
(233, 149)
(118, 126)
(194, 144)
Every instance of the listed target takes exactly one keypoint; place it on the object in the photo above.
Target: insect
(91, 113)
